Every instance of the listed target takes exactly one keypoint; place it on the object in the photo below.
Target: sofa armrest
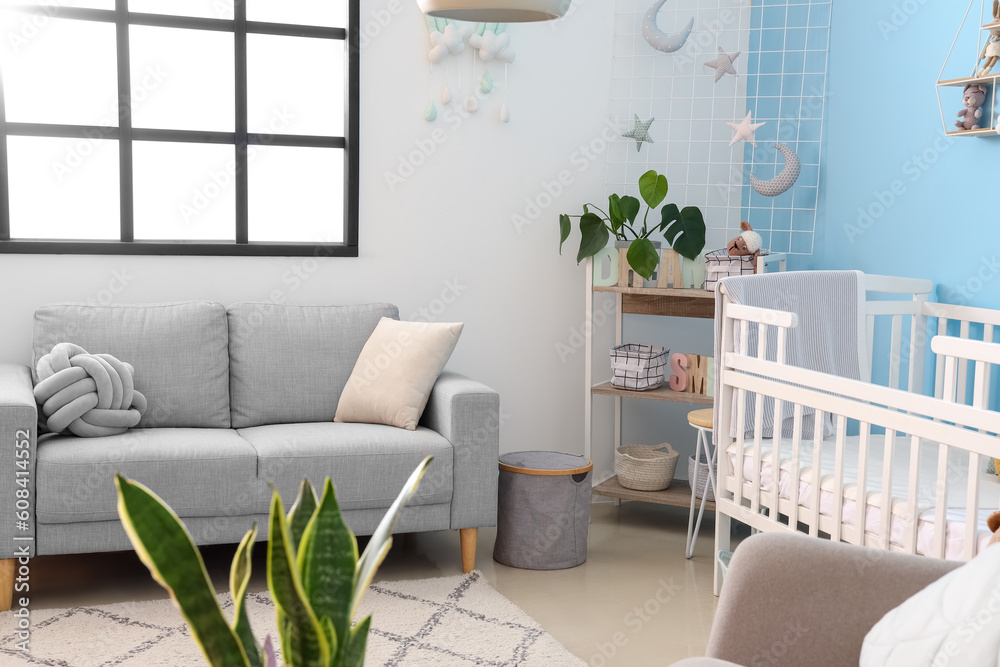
(467, 413)
(792, 600)
(18, 441)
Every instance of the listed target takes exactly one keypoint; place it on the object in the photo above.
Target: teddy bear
(993, 522)
(747, 243)
(973, 98)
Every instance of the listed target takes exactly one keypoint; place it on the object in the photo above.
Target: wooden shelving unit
(678, 495)
(663, 302)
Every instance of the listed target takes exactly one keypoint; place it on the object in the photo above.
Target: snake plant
(313, 572)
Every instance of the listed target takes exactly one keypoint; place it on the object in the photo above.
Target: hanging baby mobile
(473, 82)
(659, 40)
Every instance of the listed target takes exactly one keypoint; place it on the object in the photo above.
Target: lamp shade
(495, 11)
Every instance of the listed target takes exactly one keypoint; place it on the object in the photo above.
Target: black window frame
(241, 139)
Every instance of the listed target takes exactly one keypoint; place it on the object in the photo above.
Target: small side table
(702, 421)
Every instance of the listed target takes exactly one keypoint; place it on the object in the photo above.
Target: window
(190, 127)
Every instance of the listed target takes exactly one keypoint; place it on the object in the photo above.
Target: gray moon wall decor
(659, 40)
(783, 181)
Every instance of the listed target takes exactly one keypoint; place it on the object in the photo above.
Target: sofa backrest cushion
(289, 364)
(180, 352)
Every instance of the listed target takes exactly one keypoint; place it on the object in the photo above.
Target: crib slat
(888, 449)
(895, 350)
(963, 366)
(941, 498)
(861, 490)
(758, 418)
(817, 469)
(980, 399)
(741, 418)
(838, 479)
(912, 511)
(776, 435)
(870, 325)
(918, 337)
(939, 363)
(988, 337)
(795, 468)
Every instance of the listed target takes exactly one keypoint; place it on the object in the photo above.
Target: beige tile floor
(636, 601)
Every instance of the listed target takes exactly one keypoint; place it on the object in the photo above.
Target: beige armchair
(797, 601)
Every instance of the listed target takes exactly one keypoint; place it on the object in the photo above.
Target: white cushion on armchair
(953, 621)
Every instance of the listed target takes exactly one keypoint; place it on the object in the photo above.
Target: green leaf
(330, 633)
(304, 644)
(643, 258)
(565, 227)
(381, 539)
(354, 653)
(594, 236)
(629, 207)
(327, 558)
(684, 230)
(615, 214)
(301, 512)
(653, 188)
(239, 579)
(166, 548)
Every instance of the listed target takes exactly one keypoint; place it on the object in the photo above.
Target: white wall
(448, 224)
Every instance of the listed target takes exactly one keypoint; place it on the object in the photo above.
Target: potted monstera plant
(314, 574)
(682, 228)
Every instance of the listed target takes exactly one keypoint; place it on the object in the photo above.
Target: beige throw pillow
(396, 371)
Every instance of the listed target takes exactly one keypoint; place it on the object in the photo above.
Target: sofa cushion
(368, 463)
(198, 472)
(289, 364)
(179, 352)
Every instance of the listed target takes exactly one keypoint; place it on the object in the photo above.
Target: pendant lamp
(495, 11)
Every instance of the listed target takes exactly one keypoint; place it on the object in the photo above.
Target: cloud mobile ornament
(659, 40)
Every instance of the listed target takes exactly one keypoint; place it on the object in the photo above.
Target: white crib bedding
(989, 488)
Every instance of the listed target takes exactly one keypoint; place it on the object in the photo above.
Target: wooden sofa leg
(468, 538)
(8, 568)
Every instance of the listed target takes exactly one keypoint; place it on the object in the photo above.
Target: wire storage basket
(645, 467)
(638, 367)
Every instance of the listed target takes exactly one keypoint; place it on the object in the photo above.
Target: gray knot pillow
(90, 395)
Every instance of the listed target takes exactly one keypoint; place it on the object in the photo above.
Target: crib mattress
(989, 488)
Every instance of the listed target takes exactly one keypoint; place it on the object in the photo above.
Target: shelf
(667, 302)
(678, 495)
(661, 393)
(983, 132)
(658, 291)
(962, 83)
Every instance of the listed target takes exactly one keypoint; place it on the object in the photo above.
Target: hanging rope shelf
(979, 118)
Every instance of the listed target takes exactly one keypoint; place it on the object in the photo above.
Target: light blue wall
(884, 133)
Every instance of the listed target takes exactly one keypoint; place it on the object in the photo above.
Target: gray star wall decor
(723, 64)
(640, 132)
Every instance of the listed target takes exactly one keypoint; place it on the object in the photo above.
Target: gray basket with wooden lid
(543, 510)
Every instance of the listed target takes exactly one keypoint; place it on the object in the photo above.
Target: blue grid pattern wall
(786, 88)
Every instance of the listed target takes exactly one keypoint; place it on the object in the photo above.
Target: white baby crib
(919, 461)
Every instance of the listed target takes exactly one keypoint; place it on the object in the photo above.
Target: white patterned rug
(448, 621)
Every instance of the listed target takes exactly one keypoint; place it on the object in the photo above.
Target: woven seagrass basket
(645, 467)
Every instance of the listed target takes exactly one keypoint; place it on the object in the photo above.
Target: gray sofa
(796, 601)
(239, 397)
